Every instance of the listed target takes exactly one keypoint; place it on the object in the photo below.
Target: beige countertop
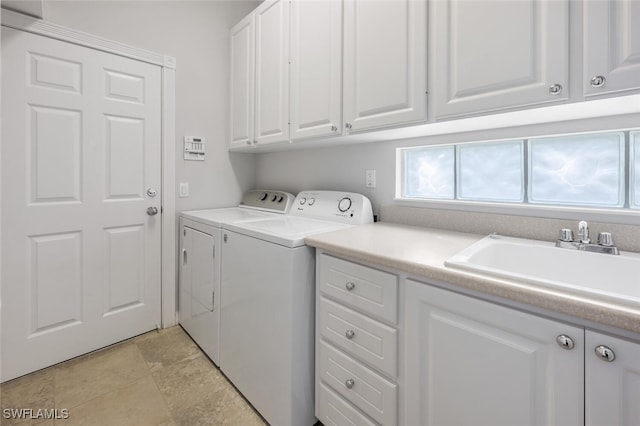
(421, 252)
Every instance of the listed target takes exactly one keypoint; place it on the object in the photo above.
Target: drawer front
(370, 290)
(374, 395)
(373, 342)
(332, 410)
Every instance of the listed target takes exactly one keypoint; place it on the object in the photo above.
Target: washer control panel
(273, 201)
(345, 207)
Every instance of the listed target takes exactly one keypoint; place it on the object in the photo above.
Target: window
(587, 170)
(429, 173)
(577, 170)
(492, 172)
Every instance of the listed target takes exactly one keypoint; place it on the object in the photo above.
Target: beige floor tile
(136, 404)
(34, 391)
(166, 348)
(85, 378)
(189, 382)
(225, 408)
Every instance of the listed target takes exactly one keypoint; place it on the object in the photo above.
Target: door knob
(152, 211)
(151, 192)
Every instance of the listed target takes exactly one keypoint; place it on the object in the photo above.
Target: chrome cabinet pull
(555, 89)
(605, 353)
(350, 286)
(349, 334)
(565, 342)
(598, 81)
(349, 383)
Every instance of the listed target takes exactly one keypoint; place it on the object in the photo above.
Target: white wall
(196, 34)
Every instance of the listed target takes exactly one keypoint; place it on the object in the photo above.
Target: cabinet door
(611, 46)
(494, 55)
(470, 362)
(272, 72)
(385, 55)
(242, 74)
(316, 68)
(612, 393)
(199, 309)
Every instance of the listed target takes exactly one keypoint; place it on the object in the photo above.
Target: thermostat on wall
(193, 148)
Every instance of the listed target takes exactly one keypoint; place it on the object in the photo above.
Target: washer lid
(218, 217)
(288, 231)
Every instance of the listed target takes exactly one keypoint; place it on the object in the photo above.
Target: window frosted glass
(429, 172)
(581, 170)
(635, 170)
(492, 172)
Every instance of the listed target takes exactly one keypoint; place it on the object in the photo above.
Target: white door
(81, 141)
(272, 72)
(316, 69)
(242, 75)
(385, 60)
(470, 362)
(200, 285)
(612, 381)
(501, 54)
(611, 46)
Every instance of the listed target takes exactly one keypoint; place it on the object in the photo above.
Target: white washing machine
(200, 257)
(268, 304)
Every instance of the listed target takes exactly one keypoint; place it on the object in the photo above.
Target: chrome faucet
(583, 232)
(605, 240)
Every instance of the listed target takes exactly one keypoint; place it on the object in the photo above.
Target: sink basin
(604, 276)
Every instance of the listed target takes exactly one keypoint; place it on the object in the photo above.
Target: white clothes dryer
(200, 262)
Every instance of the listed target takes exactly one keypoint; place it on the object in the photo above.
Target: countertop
(421, 252)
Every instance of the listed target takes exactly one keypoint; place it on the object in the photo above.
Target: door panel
(488, 63)
(242, 75)
(611, 46)
(80, 255)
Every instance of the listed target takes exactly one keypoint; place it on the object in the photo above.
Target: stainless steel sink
(612, 278)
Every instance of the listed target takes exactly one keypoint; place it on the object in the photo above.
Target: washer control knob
(264, 196)
(344, 204)
(280, 199)
(303, 200)
(275, 197)
(311, 201)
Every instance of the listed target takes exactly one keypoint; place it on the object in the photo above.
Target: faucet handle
(566, 235)
(605, 239)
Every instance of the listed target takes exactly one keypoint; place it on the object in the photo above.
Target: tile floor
(158, 378)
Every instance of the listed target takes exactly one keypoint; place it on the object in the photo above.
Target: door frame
(169, 228)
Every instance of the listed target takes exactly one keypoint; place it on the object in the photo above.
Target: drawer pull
(350, 285)
(349, 383)
(349, 334)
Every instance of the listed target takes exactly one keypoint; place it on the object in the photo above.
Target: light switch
(370, 178)
(184, 189)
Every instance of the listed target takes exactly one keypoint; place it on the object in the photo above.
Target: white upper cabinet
(494, 55)
(611, 46)
(385, 45)
(242, 43)
(272, 72)
(612, 382)
(316, 69)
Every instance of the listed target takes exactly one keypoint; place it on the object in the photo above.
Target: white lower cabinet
(612, 381)
(470, 362)
(356, 344)
(394, 351)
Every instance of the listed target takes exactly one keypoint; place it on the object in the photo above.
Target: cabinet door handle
(349, 334)
(605, 353)
(350, 285)
(565, 342)
(598, 81)
(555, 89)
(349, 383)
(184, 256)
(334, 129)
(348, 125)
